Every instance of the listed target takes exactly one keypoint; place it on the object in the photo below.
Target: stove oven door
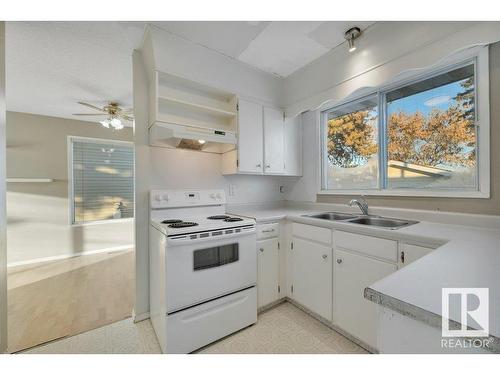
(203, 269)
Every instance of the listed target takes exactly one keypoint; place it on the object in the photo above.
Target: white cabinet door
(267, 271)
(273, 141)
(293, 146)
(353, 313)
(312, 276)
(410, 253)
(250, 136)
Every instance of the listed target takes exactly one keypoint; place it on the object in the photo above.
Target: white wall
(386, 51)
(304, 189)
(38, 214)
(159, 168)
(3, 221)
(185, 169)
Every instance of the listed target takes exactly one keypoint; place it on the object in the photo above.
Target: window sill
(100, 222)
(410, 193)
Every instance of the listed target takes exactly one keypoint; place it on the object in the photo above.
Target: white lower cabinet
(353, 313)
(312, 276)
(328, 271)
(267, 271)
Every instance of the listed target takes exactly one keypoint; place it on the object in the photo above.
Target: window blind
(103, 180)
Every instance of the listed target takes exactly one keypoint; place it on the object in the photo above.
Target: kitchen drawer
(310, 232)
(268, 230)
(203, 324)
(374, 246)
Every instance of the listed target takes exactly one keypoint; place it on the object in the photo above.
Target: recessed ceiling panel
(227, 37)
(283, 47)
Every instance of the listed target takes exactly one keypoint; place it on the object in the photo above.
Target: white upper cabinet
(273, 141)
(292, 142)
(267, 143)
(250, 158)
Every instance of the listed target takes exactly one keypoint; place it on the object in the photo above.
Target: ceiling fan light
(116, 123)
(105, 123)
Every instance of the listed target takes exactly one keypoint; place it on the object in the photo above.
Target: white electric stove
(203, 269)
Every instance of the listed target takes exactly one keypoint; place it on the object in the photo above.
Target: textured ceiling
(52, 65)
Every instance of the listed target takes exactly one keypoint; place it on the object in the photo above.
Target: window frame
(71, 196)
(479, 57)
(324, 131)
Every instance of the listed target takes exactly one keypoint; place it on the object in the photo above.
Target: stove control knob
(219, 196)
(212, 195)
(158, 197)
(165, 197)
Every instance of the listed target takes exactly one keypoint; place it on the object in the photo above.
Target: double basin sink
(367, 220)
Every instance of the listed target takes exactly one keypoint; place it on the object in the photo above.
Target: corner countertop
(467, 256)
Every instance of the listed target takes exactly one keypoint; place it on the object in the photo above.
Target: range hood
(191, 137)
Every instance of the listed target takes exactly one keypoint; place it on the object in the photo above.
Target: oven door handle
(186, 239)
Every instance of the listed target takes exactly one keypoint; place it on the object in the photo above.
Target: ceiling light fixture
(113, 122)
(116, 123)
(350, 35)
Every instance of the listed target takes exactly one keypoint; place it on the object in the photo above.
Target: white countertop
(468, 255)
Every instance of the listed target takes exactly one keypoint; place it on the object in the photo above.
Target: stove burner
(183, 224)
(231, 219)
(171, 221)
(218, 217)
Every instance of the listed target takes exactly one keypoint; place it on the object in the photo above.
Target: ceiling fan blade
(92, 106)
(126, 117)
(89, 114)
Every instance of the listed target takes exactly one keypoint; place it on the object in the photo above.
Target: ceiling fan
(115, 114)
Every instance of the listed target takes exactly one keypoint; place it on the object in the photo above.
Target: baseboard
(140, 317)
(271, 305)
(67, 256)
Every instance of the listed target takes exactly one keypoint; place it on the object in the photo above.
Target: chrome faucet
(361, 203)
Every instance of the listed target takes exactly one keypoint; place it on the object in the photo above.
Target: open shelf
(177, 100)
(199, 121)
(198, 107)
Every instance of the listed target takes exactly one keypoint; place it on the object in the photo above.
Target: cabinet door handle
(402, 256)
(261, 249)
(258, 165)
(268, 231)
(324, 256)
(268, 165)
(339, 261)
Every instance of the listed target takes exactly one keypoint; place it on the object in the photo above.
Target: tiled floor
(284, 329)
(123, 337)
(65, 297)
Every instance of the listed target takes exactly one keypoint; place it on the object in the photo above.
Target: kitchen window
(102, 180)
(420, 137)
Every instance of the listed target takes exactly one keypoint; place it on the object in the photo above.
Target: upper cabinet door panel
(273, 141)
(293, 146)
(250, 135)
